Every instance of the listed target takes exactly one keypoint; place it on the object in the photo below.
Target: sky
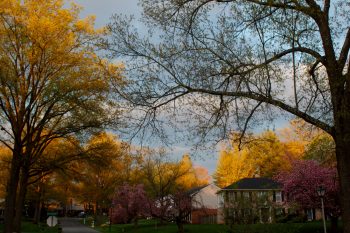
(103, 9)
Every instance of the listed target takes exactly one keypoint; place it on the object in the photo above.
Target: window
(262, 193)
(230, 212)
(246, 195)
(221, 199)
(278, 196)
(231, 197)
(310, 214)
(262, 197)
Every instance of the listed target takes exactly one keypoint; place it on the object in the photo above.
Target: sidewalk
(73, 225)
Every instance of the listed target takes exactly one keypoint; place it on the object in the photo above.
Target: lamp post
(321, 192)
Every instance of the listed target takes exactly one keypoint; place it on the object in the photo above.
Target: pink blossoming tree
(301, 182)
(129, 204)
(172, 208)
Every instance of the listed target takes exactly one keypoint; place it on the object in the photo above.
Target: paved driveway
(73, 225)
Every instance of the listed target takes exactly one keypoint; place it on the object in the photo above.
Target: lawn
(151, 226)
(29, 227)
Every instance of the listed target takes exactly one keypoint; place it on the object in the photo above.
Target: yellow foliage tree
(190, 178)
(5, 158)
(109, 165)
(232, 166)
(305, 141)
(52, 84)
(267, 154)
(263, 155)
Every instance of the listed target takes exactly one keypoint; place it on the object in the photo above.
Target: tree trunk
(37, 212)
(20, 200)
(334, 224)
(343, 163)
(11, 192)
(341, 112)
(136, 222)
(180, 226)
(38, 205)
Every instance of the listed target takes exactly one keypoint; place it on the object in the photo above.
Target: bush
(290, 218)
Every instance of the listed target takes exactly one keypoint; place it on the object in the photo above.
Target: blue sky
(103, 9)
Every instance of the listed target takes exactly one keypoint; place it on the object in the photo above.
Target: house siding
(205, 205)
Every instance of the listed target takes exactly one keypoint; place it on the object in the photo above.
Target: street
(73, 225)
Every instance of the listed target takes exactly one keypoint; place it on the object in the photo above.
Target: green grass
(29, 227)
(151, 226)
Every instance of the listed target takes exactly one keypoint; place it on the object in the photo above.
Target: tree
(262, 155)
(232, 166)
(110, 165)
(5, 157)
(190, 179)
(175, 207)
(202, 175)
(45, 176)
(308, 142)
(163, 179)
(129, 204)
(228, 63)
(52, 85)
(301, 182)
(267, 154)
(322, 149)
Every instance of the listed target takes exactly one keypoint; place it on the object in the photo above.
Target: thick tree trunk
(11, 193)
(341, 105)
(343, 163)
(334, 224)
(20, 200)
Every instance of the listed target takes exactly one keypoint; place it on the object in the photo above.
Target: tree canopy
(227, 64)
(53, 84)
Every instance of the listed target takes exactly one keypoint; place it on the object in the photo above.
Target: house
(204, 204)
(250, 200)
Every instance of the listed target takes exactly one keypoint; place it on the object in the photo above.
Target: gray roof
(195, 190)
(254, 184)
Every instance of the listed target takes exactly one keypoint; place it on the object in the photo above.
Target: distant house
(250, 200)
(204, 204)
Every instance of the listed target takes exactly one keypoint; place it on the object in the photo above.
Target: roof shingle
(255, 183)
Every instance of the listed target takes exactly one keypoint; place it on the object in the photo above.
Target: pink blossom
(128, 203)
(301, 182)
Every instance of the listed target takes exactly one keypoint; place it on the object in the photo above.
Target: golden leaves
(232, 166)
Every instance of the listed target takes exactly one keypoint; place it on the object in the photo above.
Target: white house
(204, 204)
